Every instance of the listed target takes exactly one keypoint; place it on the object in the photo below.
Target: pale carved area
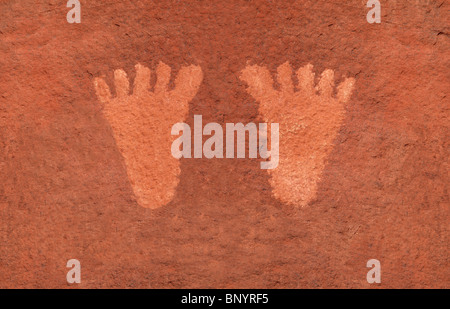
(310, 117)
(141, 122)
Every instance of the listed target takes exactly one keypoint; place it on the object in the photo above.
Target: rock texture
(64, 188)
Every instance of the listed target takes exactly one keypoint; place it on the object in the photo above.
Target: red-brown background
(64, 192)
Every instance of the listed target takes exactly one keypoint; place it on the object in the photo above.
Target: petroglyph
(141, 123)
(309, 118)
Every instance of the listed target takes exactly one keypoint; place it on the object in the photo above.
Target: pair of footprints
(309, 117)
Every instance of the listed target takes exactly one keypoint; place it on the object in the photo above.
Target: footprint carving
(309, 117)
(141, 122)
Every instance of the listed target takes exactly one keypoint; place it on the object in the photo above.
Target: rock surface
(383, 193)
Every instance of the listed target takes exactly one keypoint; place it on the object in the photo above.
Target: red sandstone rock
(65, 193)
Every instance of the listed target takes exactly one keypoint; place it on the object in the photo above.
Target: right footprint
(141, 124)
(310, 118)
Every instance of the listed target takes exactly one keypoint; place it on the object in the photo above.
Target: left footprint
(142, 122)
